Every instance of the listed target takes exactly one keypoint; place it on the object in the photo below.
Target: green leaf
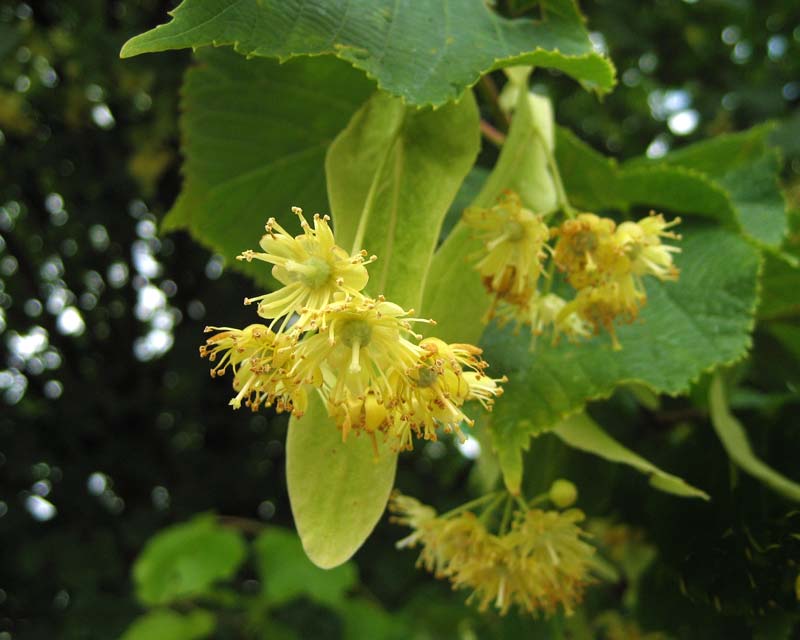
(364, 620)
(581, 432)
(732, 179)
(686, 328)
(168, 625)
(779, 286)
(185, 560)
(594, 183)
(718, 155)
(453, 283)
(254, 135)
(338, 490)
(734, 438)
(287, 573)
(427, 53)
(392, 174)
(755, 192)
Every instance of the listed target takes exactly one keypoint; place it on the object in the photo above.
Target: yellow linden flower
(546, 312)
(260, 360)
(514, 241)
(543, 314)
(586, 250)
(364, 415)
(482, 388)
(540, 563)
(360, 354)
(413, 514)
(607, 265)
(446, 376)
(490, 568)
(641, 242)
(554, 558)
(311, 267)
(447, 542)
(235, 346)
(600, 306)
(363, 349)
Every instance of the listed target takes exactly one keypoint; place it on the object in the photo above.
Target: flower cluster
(604, 262)
(539, 563)
(514, 240)
(374, 373)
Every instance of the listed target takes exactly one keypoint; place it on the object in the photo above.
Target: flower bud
(563, 493)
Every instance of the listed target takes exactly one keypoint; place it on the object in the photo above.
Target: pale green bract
(392, 174)
(390, 183)
(338, 490)
(522, 166)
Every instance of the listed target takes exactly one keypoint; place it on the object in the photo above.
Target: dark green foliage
(126, 440)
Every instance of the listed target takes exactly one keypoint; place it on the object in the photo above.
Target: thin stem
(518, 11)
(551, 269)
(488, 91)
(547, 288)
(245, 525)
(506, 515)
(490, 509)
(497, 138)
(471, 504)
(540, 499)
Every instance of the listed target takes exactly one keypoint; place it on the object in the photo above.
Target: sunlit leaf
(287, 573)
(427, 53)
(186, 560)
(164, 624)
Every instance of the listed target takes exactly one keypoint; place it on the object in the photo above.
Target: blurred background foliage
(110, 429)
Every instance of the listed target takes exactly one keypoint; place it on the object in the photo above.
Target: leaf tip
(130, 49)
(323, 558)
